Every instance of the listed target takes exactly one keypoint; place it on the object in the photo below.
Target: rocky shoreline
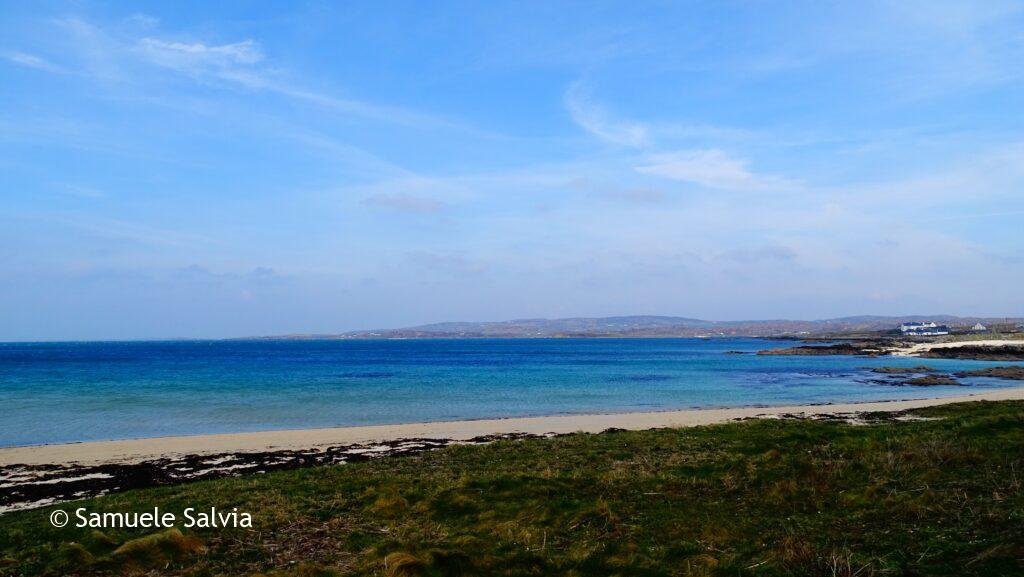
(1012, 373)
(29, 486)
(858, 348)
(977, 353)
(883, 347)
(925, 376)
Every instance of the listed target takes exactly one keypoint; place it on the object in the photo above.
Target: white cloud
(711, 168)
(31, 61)
(993, 177)
(594, 119)
(239, 63)
(143, 20)
(112, 53)
(89, 49)
(191, 56)
(957, 18)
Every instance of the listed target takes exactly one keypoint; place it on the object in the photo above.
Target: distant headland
(669, 326)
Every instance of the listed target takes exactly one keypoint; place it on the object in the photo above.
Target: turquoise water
(63, 392)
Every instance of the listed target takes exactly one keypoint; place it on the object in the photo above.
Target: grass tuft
(71, 557)
(402, 564)
(391, 505)
(156, 550)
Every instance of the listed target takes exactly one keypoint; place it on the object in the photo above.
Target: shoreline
(915, 350)
(138, 450)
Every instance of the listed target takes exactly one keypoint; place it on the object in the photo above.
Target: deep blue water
(63, 392)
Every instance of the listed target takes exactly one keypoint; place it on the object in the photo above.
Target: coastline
(138, 450)
(915, 350)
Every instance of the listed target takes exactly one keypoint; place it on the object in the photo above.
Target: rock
(977, 352)
(932, 381)
(903, 370)
(1014, 373)
(869, 349)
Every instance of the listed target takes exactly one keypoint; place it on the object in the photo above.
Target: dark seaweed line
(29, 486)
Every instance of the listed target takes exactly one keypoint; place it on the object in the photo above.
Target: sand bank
(136, 450)
(915, 350)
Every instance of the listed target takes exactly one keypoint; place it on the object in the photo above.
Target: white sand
(144, 449)
(914, 350)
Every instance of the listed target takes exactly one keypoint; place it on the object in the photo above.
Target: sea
(86, 391)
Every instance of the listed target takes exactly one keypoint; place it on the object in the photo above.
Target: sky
(197, 169)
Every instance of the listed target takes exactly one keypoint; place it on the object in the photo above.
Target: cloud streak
(239, 63)
(196, 56)
(116, 54)
(710, 168)
(32, 61)
(597, 121)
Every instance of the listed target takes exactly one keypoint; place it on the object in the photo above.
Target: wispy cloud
(260, 275)
(615, 191)
(90, 49)
(446, 263)
(239, 63)
(772, 164)
(595, 119)
(197, 56)
(81, 191)
(756, 254)
(143, 20)
(112, 53)
(31, 61)
(955, 17)
(403, 202)
(638, 195)
(711, 168)
(120, 233)
(992, 175)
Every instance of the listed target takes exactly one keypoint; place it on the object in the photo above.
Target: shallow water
(64, 392)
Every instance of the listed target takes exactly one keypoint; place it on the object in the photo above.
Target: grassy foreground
(935, 497)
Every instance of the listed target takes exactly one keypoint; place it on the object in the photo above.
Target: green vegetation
(941, 496)
(993, 334)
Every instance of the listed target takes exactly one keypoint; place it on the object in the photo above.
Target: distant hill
(653, 326)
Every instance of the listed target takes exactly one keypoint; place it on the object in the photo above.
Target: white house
(922, 329)
(979, 328)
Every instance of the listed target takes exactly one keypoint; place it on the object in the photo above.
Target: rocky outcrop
(903, 370)
(932, 381)
(1013, 373)
(859, 348)
(977, 352)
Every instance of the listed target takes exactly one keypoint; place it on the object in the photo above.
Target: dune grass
(925, 497)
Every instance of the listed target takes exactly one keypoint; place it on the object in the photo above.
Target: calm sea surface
(62, 392)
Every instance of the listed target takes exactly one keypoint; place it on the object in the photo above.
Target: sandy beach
(916, 350)
(136, 450)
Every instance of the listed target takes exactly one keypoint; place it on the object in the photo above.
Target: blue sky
(189, 169)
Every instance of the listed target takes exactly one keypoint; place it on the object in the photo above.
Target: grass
(927, 497)
(986, 336)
